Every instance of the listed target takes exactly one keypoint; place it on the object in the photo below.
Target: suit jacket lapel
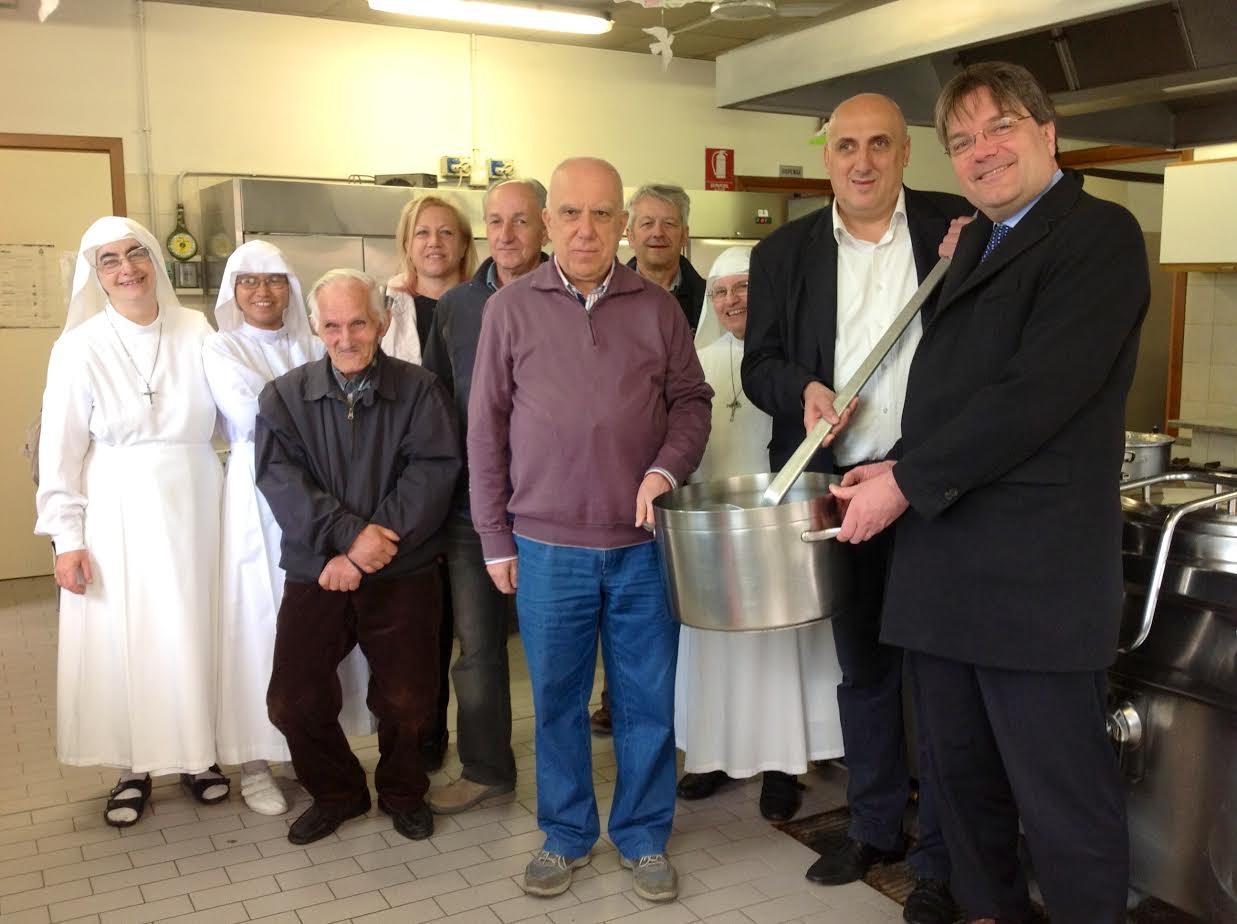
(926, 227)
(969, 270)
(818, 290)
(926, 230)
(967, 255)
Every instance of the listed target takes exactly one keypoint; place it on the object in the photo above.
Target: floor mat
(897, 880)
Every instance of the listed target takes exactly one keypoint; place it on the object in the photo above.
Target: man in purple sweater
(587, 403)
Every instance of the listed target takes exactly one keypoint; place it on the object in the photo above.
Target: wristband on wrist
(354, 564)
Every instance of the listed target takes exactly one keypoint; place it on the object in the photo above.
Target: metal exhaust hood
(1119, 71)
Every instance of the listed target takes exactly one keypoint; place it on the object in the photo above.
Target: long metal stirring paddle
(795, 465)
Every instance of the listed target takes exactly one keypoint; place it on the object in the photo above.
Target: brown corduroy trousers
(396, 622)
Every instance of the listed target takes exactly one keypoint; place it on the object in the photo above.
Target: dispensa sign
(719, 168)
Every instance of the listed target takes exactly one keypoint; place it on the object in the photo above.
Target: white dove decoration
(661, 44)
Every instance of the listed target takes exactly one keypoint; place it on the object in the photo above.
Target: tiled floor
(188, 863)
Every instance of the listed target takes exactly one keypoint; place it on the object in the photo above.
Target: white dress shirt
(875, 281)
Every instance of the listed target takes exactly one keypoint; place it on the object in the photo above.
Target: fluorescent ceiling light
(536, 16)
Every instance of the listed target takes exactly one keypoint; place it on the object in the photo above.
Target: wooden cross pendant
(734, 406)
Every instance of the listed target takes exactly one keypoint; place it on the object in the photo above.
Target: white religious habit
(749, 702)
(127, 472)
(240, 360)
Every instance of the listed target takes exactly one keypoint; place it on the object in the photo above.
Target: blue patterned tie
(999, 232)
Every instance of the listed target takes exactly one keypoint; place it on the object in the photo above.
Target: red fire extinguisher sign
(719, 168)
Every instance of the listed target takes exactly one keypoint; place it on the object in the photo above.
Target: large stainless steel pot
(1146, 454)
(757, 552)
(734, 564)
(1174, 690)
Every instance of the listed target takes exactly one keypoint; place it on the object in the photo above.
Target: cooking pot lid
(1134, 440)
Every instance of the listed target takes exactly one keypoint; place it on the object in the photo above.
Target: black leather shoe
(780, 796)
(849, 861)
(701, 785)
(930, 903)
(317, 822)
(416, 824)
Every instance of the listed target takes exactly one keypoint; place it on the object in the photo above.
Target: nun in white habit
(129, 492)
(747, 703)
(263, 332)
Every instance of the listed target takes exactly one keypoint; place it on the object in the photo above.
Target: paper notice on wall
(31, 286)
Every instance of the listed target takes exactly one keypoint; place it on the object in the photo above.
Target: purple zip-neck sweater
(570, 409)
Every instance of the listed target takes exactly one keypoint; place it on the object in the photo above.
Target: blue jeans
(566, 597)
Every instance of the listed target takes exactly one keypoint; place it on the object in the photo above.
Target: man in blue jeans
(587, 403)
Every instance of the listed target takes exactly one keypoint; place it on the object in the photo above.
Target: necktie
(999, 232)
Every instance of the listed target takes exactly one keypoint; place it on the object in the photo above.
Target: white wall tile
(1224, 305)
(1199, 298)
(1223, 385)
(1193, 410)
(1197, 347)
(1195, 382)
(1200, 447)
(1224, 344)
(1224, 448)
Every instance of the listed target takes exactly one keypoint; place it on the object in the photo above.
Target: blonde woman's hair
(408, 221)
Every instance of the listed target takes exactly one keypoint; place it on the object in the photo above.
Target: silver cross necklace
(149, 392)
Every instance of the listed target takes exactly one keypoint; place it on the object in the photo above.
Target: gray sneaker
(550, 873)
(654, 877)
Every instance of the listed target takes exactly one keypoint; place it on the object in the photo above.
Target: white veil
(262, 257)
(729, 262)
(88, 298)
(738, 443)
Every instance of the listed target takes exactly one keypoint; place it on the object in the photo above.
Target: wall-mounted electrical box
(454, 167)
(497, 169)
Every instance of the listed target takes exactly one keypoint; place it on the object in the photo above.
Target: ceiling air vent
(1036, 52)
(1129, 46)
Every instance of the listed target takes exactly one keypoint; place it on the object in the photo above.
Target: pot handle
(1161, 559)
(819, 535)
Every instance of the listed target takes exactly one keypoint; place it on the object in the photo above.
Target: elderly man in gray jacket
(357, 455)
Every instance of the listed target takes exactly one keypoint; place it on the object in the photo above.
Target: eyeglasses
(721, 293)
(111, 262)
(997, 128)
(274, 281)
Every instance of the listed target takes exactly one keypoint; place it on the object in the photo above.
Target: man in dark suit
(1006, 579)
(822, 290)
